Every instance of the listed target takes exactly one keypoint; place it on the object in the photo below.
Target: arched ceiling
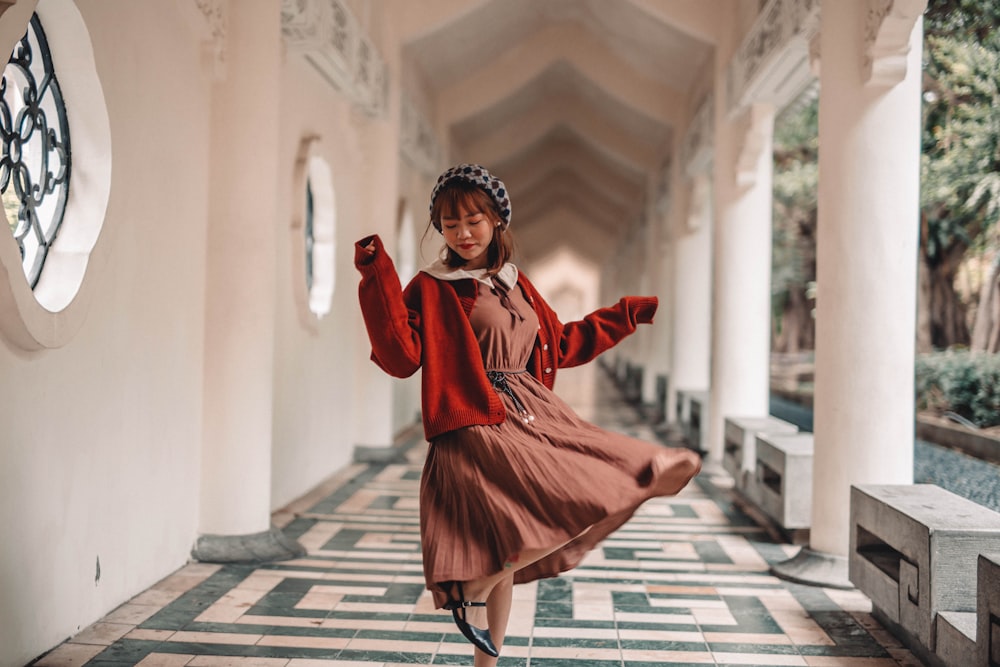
(573, 103)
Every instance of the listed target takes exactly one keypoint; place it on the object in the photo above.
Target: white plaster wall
(314, 401)
(100, 438)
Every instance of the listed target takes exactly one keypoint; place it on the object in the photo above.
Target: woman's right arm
(393, 328)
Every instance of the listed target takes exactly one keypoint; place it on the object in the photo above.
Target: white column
(692, 295)
(375, 428)
(742, 272)
(663, 260)
(866, 259)
(240, 310)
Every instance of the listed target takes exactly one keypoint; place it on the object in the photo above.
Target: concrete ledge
(783, 481)
(657, 414)
(956, 638)
(698, 418)
(914, 551)
(940, 431)
(270, 545)
(739, 456)
(632, 383)
(689, 401)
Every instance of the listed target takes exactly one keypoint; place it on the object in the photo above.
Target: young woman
(516, 486)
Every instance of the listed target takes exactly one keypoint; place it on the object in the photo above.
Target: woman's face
(468, 233)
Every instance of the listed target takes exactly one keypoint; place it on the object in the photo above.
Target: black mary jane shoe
(480, 638)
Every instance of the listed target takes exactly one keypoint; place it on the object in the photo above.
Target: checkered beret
(477, 174)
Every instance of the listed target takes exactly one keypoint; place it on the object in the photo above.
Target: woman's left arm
(602, 329)
(576, 343)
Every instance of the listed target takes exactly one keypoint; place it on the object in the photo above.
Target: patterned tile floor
(684, 583)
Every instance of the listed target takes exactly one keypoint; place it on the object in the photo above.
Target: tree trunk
(924, 343)
(797, 327)
(986, 331)
(948, 326)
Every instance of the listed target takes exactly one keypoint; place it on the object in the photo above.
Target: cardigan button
(548, 370)
(545, 347)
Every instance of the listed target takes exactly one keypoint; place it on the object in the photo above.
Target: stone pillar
(692, 297)
(375, 427)
(742, 271)
(239, 305)
(869, 129)
(657, 281)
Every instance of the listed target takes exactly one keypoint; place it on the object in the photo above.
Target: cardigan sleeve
(393, 327)
(580, 341)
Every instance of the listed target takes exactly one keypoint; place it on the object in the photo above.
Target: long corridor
(684, 583)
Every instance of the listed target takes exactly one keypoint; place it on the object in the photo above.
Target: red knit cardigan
(427, 326)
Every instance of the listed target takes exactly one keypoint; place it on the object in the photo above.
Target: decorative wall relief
(887, 30)
(756, 138)
(214, 12)
(662, 186)
(418, 144)
(697, 145)
(332, 40)
(772, 63)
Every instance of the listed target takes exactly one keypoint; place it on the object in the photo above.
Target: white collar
(507, 274)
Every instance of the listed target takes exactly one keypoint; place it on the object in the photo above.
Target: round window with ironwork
(50, 89)
(35, 167)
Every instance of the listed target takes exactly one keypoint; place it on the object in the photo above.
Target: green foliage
(796, 175)
(975, 19)
(963, 382)
(960, 195)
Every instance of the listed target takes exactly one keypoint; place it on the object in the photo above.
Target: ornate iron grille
(35, 167)
(310, 235)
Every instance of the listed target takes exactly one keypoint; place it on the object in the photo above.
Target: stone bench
(632, 383)
(783, 481)
(739, 456)
(973, 638)
(955, 633)
(692, 409)
(988, 610)
(697, 419)
(915, 552)
(659, 408)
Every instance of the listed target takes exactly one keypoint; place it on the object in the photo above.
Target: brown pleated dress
(489, 492)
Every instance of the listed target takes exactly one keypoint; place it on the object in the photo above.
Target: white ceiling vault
(575, 104)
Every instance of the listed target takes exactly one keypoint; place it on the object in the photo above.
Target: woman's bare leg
(497, 611)
(498, 606)
(479, 589)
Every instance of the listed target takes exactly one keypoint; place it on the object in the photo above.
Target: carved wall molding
(662, 186)
(697, 145)
(215, 15)
(772, 63)
(888, 26)
(699, 202)
(418, 144)
(332, 40)
(757, 137)
(209, 20)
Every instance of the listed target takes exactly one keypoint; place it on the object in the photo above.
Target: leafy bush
(966, 383)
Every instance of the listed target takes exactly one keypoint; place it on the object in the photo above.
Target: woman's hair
(459, 193)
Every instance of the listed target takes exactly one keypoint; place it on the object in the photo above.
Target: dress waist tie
(499, 381)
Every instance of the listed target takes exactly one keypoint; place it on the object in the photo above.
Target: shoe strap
(457, 604)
